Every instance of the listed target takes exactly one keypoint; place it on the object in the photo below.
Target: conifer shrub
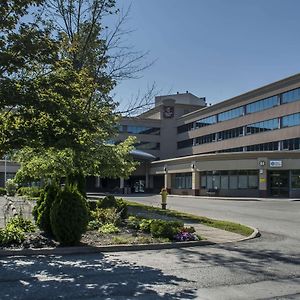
(43, 210)
(69, 216)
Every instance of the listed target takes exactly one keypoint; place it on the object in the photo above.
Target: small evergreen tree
(69, 216)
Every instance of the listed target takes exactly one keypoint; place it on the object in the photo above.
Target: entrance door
(279, 182)
(139, 186)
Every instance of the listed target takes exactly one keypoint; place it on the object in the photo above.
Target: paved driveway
(264, 268)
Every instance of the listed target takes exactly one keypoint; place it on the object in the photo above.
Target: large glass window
(291, 144)
(291, 96)
(185, 127)
(147, 146)
(209, 138)
(231, 114)
(206, 121)
(230, 133)
(272, 146)
(291, 120)
(261, 104)
(143, 130)
(183, 181)
(237, 179)
(262, 126)
(296, 179)
(185, 144)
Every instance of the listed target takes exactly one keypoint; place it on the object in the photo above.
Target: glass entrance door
(279, 182)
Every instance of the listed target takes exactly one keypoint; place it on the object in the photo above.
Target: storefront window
(296, 179)
(183, 181)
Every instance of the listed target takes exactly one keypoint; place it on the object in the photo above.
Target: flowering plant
(183, 236)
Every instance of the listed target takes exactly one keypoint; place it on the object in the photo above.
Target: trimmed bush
(165, 229)
(19, 222)
(103, 216)
(110, 202)
(133, 222)
(2, 191)
(145, 225)
(11, 235)
(30, 191)
(69, 216)
(43, 210)
(11, 187)
(109, 228)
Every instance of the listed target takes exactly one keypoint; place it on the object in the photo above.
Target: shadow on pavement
(88, 276)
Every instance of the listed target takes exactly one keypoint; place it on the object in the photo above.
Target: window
(147, 146)
(183, 181)
(209, 138)
(272, 146)
(291, 144)
(291, 96)
(262, 126)
(261, 105)
(185, 127)
(143, 130)
(291, 120)
(185, 144)
(206, 121)
(231, 114)
(296, 179)
(237, 179)
(231, 133)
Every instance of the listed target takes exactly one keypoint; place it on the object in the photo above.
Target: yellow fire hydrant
(164, 195)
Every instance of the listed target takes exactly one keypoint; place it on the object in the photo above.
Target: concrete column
(98, 182)
(147, 177)
(263, 177)
(168, 182)
(122, 185)
(196, 183)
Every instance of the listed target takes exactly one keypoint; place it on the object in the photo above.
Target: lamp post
(5, 168)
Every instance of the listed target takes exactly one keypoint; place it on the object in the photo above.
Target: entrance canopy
(142, 156)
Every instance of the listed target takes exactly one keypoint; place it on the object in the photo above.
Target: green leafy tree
(55, 81)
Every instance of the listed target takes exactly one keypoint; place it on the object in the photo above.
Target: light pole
(5, 169)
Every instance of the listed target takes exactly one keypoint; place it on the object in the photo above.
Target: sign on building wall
(168, 112)
(275, 163)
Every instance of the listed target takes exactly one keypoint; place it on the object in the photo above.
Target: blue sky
(214, 48)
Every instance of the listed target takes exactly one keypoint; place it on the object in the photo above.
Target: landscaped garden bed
(109, 221)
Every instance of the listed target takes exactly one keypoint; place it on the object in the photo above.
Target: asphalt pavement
(264, 268)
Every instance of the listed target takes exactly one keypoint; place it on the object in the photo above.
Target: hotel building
(248, 145)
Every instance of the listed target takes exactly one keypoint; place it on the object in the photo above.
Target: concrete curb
(116, 248)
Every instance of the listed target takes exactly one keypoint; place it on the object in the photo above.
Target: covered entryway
(279, 183)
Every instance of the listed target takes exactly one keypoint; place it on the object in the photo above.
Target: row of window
(267, 125)
(238, 179)
(262, 126)
(254, 107)
(182, 181)
(147, 146)
(290, 145)
(139, 129)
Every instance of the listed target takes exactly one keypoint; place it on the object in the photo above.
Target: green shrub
(106, 216)
(43, 210)
(2, 191)
(145, 225)
(30, 191)
(109, 228)
(110, 202)
(11, 187)
(133, 222)
(107, 202)
(11, 235)
(165, 229)
(92, 205)
(122, 208)
(19, 222)
(69, 216)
